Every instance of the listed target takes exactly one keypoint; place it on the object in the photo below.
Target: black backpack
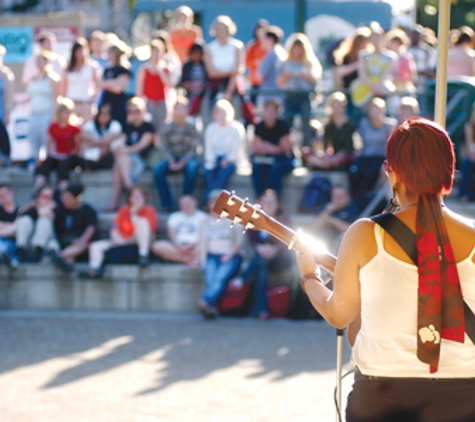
(315, 195)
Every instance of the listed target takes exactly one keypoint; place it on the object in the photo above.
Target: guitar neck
(252, 217)
(300, 242)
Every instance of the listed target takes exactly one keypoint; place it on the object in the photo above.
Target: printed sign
(18, 41)
(64, 34)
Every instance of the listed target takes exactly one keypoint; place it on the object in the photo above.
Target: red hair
(422, 155)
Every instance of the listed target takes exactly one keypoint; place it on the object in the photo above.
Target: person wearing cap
(220, 256)
(75, 225)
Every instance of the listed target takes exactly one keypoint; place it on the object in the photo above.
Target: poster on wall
(18, 40)
(65, 36)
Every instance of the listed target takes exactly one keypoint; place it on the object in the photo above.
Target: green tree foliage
(462, 13)
(24, 6)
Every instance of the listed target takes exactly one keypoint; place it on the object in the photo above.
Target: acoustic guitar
(252, 217)
(240, 211)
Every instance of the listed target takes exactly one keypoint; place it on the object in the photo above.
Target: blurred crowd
(209, 110)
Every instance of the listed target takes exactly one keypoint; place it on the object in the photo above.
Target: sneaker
(143, 261)
(91, 274)
(35, 254)
(60, 263)
(10, 261)
(263, 316)
(207, 311)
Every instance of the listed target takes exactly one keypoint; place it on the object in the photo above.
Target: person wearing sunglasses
(132, 155)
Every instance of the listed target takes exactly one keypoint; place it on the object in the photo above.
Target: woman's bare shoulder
(461, 232)
(359, 242)
(459, 222)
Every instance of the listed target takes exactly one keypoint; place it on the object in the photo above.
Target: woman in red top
(153, 80)
(134, 223)
(255, 52)
(62, 146)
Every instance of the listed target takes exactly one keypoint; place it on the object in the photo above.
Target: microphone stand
(339, 335)
(339, 368)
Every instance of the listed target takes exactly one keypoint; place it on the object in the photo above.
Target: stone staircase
(160, 287)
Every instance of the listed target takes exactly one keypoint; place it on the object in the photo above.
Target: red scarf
(440, 303)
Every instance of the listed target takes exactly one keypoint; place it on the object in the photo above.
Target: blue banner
(18, 40)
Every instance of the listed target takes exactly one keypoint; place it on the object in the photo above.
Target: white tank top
(81, 84)
(386, 344)
(223, 57)
(41, 95)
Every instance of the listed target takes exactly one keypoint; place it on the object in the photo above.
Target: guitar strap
(407, 240)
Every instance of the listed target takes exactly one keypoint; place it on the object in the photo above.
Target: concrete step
(157, 288)
(98, 185)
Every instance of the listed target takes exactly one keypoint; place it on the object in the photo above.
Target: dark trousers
(270, 176)
(63, 166)
(364, 174)
(190, 175)
(299, 104)
(467, 184)
(218, 177)
(258, 271)
(411, 400)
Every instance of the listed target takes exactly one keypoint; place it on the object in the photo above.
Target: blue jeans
(265, 176)
(299, 104)
(218, 177)
(8, 246)
(190, 174)
(217, 274)
(467, 183)
(258, 271)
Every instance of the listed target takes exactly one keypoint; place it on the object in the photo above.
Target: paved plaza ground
(126, 367)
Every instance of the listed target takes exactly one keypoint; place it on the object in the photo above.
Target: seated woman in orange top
(134, 223)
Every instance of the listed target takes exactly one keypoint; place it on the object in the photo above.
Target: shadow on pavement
(186, 349)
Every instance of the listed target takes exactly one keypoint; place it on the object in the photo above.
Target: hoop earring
(392, 204)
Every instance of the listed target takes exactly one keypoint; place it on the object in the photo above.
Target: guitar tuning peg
(231, 198)
(247, 227)
(243, 208)
(236, 220)
(224, 214)
(255, 214)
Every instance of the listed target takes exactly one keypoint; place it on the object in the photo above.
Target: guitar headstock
(240, 211)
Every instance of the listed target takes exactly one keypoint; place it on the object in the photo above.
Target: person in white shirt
(223, 140)
(98, 137)
(224, 58)
(409, 308)
(43, 89)
(183, 228)
(46, 41)
(220, 249)
(80, 80)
